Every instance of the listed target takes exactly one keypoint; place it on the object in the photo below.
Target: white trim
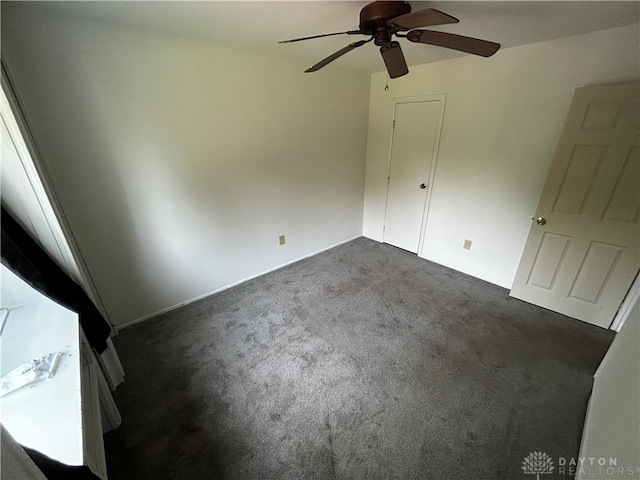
(111, 365)
(627, 304)
(27, 201)
(432, 174)
(586, 422)
(109, 414)
(226, 287)
(51, 191)
(439, 97)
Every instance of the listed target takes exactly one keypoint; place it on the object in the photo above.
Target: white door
(416, 128)
(583, 254)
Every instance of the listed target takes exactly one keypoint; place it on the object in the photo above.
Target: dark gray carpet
(362, 362)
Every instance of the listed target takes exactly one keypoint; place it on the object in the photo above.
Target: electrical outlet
(282, 242)
(467, 245)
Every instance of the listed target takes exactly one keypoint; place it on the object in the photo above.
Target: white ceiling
(258, 26)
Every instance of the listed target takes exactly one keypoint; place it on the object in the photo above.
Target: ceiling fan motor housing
(374, 17)
(383, 19)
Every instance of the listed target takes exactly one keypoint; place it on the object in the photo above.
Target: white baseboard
(226, 287)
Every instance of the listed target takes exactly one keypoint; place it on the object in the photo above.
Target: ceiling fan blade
(350, 32)
(461, 43)
(336, 55)
(421, 18)
(394, 60)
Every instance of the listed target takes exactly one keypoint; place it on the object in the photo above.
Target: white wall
(178, 162)
(503, 117)
(14, 461)
(612, 428)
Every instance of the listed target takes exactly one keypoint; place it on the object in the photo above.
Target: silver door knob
(541, 220)
(423, 186)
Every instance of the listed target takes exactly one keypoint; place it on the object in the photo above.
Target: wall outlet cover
(467, 245)
(282, 241)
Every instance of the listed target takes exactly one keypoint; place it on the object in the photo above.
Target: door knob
(423, 186)
(541, 220)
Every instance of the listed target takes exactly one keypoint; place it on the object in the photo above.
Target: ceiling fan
(382, 20)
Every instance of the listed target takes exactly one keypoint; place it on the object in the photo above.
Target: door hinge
(393, 124)
(388, 180)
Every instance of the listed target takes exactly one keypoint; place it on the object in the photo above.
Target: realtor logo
(537, 463)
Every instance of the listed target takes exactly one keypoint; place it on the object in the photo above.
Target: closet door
(416, 128)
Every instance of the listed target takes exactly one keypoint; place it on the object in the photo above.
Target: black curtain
(55, 470)
(24, 257)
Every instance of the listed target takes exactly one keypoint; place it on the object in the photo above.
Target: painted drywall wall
(612, 427)
(15, 462)
(502, 120)
(179, 163)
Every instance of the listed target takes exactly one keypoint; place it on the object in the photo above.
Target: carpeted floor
(363, 362)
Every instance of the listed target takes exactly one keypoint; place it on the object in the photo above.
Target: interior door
(416, 128)
(581, 255)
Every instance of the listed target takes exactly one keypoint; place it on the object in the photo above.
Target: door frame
(442, 98)
(627, 305)
(38, 168)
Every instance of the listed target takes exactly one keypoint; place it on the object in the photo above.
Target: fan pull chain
(386, 87)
